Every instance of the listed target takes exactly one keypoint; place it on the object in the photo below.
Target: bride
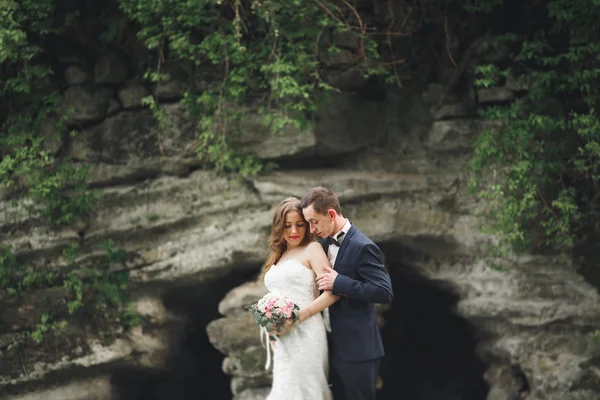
(300, 359)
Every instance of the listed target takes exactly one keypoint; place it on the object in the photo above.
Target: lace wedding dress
(300, 363)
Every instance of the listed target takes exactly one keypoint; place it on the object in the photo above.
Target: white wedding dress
(300, 363)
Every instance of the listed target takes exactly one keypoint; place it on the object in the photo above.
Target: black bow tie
(331, 240)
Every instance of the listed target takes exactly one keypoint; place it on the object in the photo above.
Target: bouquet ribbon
(266, 342)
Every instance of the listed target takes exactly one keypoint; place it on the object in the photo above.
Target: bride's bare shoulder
(307, 253)
(315, 248)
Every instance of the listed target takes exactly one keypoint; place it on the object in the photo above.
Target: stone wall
(531, 318)
(398, 164)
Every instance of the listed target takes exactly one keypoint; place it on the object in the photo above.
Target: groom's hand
(326, 279)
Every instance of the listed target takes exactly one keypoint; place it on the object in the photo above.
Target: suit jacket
(362, 282)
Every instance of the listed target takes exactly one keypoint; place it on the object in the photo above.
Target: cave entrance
(430, 350)
(193, 370)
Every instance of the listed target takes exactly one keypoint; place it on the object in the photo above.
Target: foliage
(29, 118)
(99, 292)
(594, 342)
(266, 56)
(16, 278)
(266, 53)
(539, 166)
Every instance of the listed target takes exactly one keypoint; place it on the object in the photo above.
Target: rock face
(110, 68)
(346, 124)
(400, 174)
(531, 323)
(237, 336)
(135, 141)
(85, 103)
(529, 315)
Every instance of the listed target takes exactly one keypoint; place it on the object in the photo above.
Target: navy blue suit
(355, 345)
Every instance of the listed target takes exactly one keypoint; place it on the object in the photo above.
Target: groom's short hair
(322, 199)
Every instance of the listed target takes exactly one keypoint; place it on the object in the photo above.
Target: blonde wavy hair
(277, 243)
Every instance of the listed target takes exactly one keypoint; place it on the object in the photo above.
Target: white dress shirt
(333, 250)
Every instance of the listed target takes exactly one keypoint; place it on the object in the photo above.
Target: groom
(360, 278)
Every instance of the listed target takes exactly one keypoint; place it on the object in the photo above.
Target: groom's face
(320, 224)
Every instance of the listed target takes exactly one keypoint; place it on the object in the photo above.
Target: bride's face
(294, 228)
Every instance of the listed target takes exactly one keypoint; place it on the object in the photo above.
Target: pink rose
(287, 311)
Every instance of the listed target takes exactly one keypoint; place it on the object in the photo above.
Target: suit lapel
(344, 246)
(325, 245)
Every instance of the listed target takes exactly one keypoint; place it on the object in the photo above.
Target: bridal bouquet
(272, 311)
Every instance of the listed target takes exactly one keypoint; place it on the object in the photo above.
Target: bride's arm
(318, 260)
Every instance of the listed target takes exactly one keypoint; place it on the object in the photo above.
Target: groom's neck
(340, 221)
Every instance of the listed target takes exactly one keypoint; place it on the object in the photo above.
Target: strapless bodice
(292, 279)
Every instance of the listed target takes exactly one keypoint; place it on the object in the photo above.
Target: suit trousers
(353, 380)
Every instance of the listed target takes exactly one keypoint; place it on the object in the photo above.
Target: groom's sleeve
(374, 286)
